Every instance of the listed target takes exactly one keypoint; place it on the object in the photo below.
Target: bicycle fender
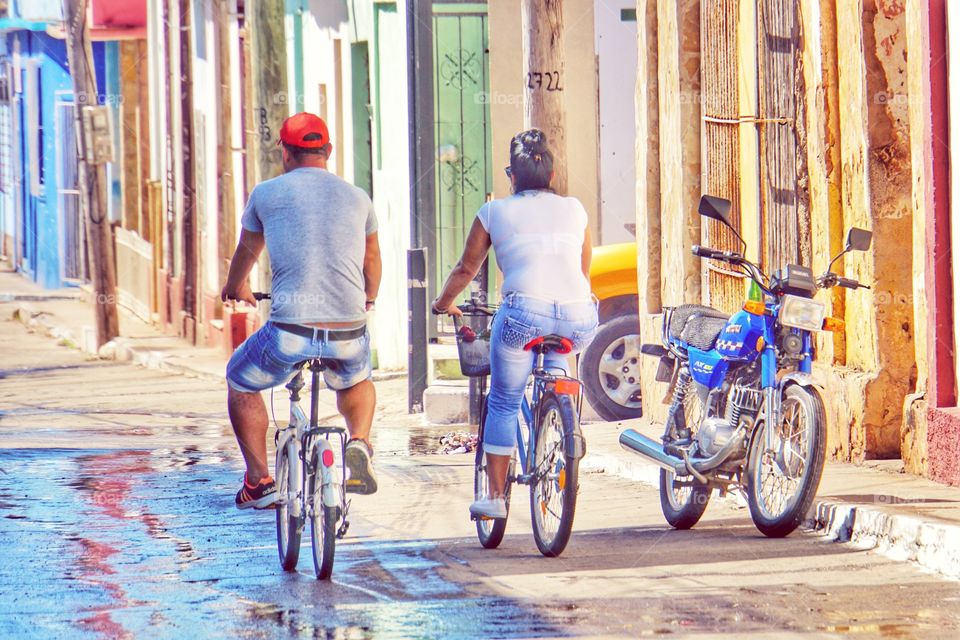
(575, 443)
(329, 477)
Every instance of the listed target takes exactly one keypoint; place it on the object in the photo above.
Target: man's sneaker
(489, 508)
(259, 496)
(361, 478)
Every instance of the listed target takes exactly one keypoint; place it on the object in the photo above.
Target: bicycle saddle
(322, 363)
(550, 343)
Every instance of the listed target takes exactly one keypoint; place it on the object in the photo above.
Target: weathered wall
(854, 137)
(885, 48)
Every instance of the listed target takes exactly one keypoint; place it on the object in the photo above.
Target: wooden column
(268, 66)
(92, 178)
(721, 149)
(823, 157)
(679, 93)
(545, 81)
(226, 216)
(647, 159)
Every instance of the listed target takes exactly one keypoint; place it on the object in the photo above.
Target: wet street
(117, 520)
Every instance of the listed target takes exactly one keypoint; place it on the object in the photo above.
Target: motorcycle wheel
(683, 500)
(782, 482)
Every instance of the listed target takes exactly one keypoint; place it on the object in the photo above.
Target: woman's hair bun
(531, 161)
(534, 141)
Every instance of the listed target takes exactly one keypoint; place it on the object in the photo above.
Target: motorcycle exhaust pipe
(634, 441)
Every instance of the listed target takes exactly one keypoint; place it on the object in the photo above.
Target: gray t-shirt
(315, 225)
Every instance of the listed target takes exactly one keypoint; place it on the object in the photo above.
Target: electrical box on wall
(98, 131)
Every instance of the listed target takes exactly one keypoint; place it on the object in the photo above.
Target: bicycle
(549, 449)
(311, 479)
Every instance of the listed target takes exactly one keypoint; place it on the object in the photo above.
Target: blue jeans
(519, 320)
(268, 357)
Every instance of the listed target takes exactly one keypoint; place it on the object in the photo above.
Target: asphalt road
(117, 520)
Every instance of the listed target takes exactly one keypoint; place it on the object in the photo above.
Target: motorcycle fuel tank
(738, 340)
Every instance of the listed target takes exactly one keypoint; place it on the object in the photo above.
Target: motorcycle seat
(697, 325)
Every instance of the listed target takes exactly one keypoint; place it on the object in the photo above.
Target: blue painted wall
(41, 216)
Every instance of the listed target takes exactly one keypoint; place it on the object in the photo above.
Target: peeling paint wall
(859, 168)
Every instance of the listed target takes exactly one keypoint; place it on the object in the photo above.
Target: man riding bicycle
(321, 236)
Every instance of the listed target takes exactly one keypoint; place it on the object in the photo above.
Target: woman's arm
(474, 253)
(586, 254)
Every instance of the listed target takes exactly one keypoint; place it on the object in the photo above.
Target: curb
(935, 546)
(932, 545)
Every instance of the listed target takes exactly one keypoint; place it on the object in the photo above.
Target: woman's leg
(510, 369)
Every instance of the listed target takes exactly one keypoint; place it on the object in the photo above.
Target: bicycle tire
(558, 418)
(323, 527)
(289, 530)
(489, 531)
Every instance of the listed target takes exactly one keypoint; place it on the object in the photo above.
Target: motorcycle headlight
(802, 313)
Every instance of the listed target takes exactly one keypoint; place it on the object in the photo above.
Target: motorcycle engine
(713, 435)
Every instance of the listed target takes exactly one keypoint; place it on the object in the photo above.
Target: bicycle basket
(473, 343)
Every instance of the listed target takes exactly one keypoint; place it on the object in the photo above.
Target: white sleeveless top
(538, 240)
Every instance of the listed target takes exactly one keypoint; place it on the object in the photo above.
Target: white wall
(324, 22)
(207, 110)
(617, 54)
(391, 186)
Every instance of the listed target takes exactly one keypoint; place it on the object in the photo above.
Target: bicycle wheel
(288, 526)
(684, 500)
(489, 530)
(553, 496)
(323, 525)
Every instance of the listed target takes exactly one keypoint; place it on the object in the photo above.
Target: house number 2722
(549, 80)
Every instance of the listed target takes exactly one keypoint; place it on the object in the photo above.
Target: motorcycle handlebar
(716, 254)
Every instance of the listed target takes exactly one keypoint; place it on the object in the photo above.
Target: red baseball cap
(299, 126)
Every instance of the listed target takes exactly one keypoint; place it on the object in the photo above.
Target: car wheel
(611, 369)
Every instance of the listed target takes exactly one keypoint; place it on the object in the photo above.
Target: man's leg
(357, 405)
(248, 415)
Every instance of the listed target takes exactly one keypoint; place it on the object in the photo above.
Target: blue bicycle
(550, 443)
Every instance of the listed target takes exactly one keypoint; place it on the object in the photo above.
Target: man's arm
(248, 250)
(372, 269)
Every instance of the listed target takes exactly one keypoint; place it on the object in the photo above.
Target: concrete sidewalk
(873, 506)
(67, 316)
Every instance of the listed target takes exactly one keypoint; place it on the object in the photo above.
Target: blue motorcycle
(745, 413)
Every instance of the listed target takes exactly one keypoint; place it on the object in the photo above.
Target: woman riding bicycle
(542, 244)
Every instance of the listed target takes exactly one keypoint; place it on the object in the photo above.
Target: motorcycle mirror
(858, 239)
(716, 209)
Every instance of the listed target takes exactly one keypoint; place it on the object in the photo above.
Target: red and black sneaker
(259, 496)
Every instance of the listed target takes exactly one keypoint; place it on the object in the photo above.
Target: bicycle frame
(526, 446)
(302, 439)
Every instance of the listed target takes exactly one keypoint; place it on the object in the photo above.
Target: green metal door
(462, 125)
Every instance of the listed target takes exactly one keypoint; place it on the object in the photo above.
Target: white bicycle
(310, 476)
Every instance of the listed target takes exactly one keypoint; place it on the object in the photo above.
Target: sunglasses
(508, 171)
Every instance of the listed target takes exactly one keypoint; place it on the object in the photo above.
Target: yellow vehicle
(610, 365)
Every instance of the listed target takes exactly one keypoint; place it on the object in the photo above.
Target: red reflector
(566, 387)
(327, 458)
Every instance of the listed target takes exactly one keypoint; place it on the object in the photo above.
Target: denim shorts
(267, 359)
